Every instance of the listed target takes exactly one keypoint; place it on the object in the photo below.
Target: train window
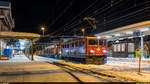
(102, 42)
(76, 43)
(93, 42)
(80, 43)
(64, 46)
(67, 45)
(73, 44)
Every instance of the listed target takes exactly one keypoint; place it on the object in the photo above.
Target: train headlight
(104, 51)
(91, 51)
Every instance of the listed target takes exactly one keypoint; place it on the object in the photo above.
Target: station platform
(17, 58)
(23, 58)
(127, 61)
(41, 58)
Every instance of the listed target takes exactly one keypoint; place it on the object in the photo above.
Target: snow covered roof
(4, 4)
(18, 35)
(127, 31)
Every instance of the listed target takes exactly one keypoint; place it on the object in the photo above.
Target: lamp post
(43, 30)
(83, 31)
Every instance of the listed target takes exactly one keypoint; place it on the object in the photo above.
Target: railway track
(101, 76)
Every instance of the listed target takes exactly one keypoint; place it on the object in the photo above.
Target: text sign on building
(17, 44)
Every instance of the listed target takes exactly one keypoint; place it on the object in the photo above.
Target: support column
(1, 46)
(32, 50)
(142, 45)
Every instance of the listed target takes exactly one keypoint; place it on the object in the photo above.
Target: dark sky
(29, 15)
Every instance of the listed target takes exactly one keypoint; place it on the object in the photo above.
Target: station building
(125, 42)
(6, 22)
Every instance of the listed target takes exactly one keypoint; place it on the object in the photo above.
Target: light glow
(129, 32)
(98, 37)
(91, 51)
(144, 29)
(104, 51)
(22, 43)
(107, 36)
(117, 41)
(117, 34)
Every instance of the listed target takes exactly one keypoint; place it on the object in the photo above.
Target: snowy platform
(17, 58)
(127, 61)
(128, 72)
(41, 58)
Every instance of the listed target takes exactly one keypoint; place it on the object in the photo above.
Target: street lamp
(83, 31)
(43, 30)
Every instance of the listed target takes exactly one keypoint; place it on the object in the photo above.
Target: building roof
(4, 4)
(127, 31)
(18, 35)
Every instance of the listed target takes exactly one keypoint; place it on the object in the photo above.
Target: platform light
(59, 52)
(22, 43)
(144, 29)
(98, 37)
(117, 41)
(117, 34)
(129, 32)
(107, 36)
(130, 37)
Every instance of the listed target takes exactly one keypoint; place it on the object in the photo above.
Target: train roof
(85, 37)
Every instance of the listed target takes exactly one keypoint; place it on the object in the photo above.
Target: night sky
(62, 16)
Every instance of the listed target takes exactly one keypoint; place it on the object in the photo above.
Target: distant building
(6, 20)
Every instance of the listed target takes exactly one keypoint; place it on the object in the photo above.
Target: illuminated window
(130, 47)
(73, 44)
(123, 47)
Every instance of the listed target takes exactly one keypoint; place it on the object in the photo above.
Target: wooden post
(140, 63)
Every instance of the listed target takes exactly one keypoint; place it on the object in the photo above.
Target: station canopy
(20, 35)
(126, 31)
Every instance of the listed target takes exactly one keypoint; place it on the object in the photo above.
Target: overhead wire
(81, 12)
(125, 15)
(131, 14)
(60, 15)
(103, 9)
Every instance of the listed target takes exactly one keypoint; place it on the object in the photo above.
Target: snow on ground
(119, 67)
(128, 61)
(17, 58)
(124, 70)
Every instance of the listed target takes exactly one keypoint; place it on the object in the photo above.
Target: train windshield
(95, 42)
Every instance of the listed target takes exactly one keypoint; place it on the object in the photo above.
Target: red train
(88, 50)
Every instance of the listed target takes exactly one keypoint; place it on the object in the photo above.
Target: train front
(96, 50)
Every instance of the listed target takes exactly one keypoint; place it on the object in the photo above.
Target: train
(88, 50)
